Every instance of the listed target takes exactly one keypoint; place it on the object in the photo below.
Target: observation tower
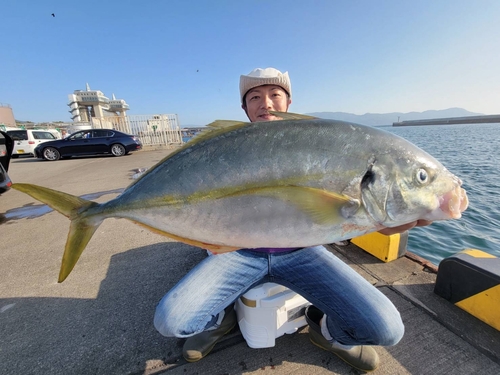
(87, 105)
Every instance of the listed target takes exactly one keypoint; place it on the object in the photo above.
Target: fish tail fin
(80, 233)
(82, 226)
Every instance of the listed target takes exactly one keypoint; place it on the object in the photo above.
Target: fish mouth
(453, 203)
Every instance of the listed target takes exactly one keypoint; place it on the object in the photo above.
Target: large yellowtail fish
(292, 183)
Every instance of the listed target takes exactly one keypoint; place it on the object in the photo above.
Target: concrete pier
(100, 320)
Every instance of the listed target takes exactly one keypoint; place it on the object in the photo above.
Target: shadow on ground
(113, 333)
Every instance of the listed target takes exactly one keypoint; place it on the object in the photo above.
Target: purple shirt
(272, 250)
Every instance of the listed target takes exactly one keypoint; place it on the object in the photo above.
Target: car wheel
(51, 154)
(117, 149)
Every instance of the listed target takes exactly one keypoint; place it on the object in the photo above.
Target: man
(348, 314)
(259, 97)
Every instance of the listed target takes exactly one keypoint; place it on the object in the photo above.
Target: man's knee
(163, 322)
(390, 331)
(177, 320)
(173, 320)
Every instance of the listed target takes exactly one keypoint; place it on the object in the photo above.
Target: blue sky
(186, 56)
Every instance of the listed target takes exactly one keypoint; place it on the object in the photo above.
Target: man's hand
(402, 228)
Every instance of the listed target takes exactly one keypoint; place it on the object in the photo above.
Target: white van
(25, 141)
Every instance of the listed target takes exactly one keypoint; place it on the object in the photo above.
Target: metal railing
(153, 130)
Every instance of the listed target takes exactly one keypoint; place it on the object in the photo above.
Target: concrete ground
(99, 321)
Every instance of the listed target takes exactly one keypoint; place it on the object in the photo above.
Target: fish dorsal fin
(222, 124)
(292, 116)
(212, 130)
(215, 128)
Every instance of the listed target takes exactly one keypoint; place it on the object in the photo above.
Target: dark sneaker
(198, 346)
(361, 357)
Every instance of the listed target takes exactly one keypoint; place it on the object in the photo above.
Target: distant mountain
(378, 119)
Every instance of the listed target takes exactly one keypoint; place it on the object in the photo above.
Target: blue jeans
(358, 313)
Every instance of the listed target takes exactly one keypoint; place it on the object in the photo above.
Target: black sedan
(89, 142)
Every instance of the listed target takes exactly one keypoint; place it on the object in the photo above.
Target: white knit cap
(260, 77)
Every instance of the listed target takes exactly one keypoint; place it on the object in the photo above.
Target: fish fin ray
(217, 249)
(81, 228)
(214, 128)
(80, 233)
(222, 124)
(292, 116)
(324, 207)
(64, 203)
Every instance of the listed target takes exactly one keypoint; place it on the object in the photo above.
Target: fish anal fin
(217, 249)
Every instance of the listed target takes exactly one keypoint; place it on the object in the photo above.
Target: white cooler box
(269, 311)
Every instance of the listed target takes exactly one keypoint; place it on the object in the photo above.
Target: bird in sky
(53, 15)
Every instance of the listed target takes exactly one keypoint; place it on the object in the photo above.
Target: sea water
(471, 152)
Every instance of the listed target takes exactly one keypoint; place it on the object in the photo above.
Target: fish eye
(422, 176)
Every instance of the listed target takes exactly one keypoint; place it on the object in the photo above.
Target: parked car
(5, 182)
(89, 142)
(6, 146)
(25, 141)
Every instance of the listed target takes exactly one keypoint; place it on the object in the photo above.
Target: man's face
(262, 99)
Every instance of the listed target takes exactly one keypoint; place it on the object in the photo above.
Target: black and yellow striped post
(385, 248)
(471, 280)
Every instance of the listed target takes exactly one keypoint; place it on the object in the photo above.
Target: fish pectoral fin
(80, 233)
(217, 249)
(324, 207)
(292, 116)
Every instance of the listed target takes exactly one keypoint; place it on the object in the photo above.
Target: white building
(85, 105)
